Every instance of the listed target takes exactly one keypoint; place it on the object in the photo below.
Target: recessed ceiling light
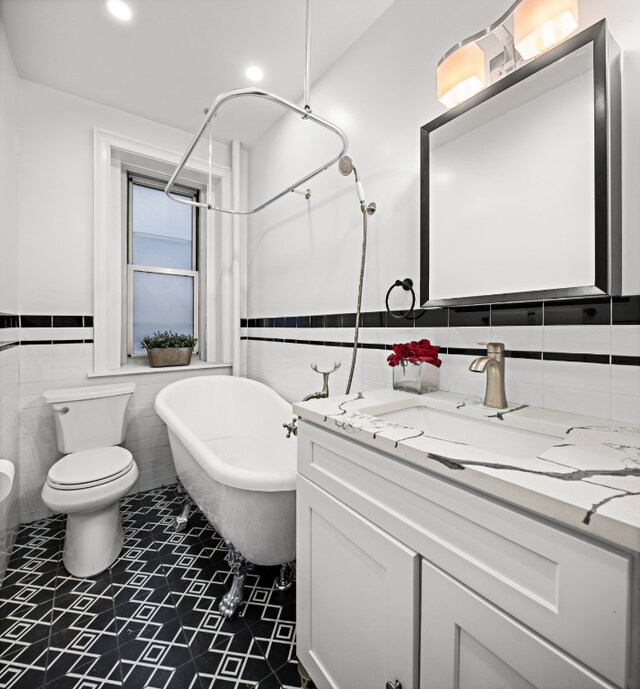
(254, 73)
(120, 10)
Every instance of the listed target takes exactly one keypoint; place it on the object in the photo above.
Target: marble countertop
(588, 479)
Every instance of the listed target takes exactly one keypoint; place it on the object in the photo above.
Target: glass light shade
(540, 24)
(461, 75)
(120, 10)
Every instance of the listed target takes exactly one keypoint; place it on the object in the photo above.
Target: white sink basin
(503, 440)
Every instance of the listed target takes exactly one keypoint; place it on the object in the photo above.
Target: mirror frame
(607, 169)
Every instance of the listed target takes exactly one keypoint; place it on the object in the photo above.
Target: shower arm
(305, 112)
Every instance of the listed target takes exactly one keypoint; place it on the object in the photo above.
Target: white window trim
(108, 254)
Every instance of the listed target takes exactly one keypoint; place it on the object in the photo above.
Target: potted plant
(415, 366)
(168, 348)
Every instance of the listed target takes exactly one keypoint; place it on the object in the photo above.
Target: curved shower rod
(306, 114)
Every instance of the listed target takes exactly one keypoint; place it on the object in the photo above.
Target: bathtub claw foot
(183, 518)
(233, 599)
(305, 681)
(285, 578)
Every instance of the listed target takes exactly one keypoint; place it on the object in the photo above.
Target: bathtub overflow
(291, 428)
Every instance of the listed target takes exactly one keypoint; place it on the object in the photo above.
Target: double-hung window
(162, 262)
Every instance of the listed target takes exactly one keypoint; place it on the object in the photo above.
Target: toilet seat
(90, 468)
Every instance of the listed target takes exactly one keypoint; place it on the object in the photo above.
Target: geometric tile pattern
(151, 621)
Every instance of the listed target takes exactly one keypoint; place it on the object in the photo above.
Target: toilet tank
(90, 417)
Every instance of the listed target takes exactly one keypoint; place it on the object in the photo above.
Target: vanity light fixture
(120, 10)
(540, 24)
(527, 29)
(461, 74)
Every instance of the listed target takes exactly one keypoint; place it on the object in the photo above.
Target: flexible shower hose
(354, 354)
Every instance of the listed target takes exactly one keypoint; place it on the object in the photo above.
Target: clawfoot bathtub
(234, 461)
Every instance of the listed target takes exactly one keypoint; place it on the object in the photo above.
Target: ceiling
(175, 56)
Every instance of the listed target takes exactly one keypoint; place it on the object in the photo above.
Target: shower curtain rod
(305, 112)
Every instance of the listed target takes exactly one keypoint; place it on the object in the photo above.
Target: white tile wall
(9, 404)
(592, 339)
(608, 391)
(46, 367)
(8, 446)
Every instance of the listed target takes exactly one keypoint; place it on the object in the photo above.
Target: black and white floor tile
(151, 621)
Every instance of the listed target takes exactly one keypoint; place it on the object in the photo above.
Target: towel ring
(407, 286)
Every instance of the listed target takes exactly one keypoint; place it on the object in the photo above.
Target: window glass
(161, 230)
(161, 302)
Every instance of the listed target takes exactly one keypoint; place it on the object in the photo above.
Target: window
(162, 262)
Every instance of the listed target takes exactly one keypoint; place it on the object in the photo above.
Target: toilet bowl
(87, 483)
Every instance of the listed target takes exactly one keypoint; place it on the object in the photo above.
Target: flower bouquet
(415, 366)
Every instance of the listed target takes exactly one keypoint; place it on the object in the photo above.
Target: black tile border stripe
(54, 342)
(589, 311)
(7, 345)
(579, 357)
(9, 320)
(31, 321)
(458, 351)
(619, 360)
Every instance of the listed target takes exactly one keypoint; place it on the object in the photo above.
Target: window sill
(138, 369)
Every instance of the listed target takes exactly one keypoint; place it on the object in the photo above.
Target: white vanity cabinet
(364, 586)
(404, 576)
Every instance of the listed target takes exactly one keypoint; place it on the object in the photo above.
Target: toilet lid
(90, 468)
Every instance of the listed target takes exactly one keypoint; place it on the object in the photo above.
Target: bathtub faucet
(325, 382)
(291, 428)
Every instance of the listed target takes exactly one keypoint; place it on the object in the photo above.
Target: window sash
(163, 271)
(155, 184)
(133, 268)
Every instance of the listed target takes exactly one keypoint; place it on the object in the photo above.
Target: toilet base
(93, 541)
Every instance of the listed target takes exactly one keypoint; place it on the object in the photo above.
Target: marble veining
(589, 479)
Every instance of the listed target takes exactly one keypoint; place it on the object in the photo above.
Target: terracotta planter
(169, 356)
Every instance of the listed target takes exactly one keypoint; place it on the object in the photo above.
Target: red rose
(415, 353)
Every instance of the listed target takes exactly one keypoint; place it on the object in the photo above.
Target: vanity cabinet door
(467, 643)
(357, 609)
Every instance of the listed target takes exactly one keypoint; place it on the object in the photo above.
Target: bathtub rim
(227, 474)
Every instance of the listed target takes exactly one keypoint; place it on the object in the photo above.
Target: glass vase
(416, 378)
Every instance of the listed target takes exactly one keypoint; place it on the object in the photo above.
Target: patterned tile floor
(151, 621)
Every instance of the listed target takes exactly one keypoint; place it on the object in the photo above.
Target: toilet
(87, 483)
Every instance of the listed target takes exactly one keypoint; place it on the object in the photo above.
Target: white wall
(383, 91)
(8, 178)
(56, 192)
(56, 277)
(303, 257)
(8, 278)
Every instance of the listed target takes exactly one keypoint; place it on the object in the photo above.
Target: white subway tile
(577, 401)
(520, 338)
(576, 375)
(468, 337)
(625, 408)
(626, 340)
(524, 393)
(589, 339)
(625, 380)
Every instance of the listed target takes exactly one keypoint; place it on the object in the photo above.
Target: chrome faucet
(325, 382)
(493, 365)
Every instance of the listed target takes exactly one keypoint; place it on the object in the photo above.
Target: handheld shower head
(346, 167)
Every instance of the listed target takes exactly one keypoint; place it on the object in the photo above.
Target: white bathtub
(233, 458)
(8, 513)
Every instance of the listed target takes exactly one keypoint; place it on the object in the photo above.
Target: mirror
(521, 183)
